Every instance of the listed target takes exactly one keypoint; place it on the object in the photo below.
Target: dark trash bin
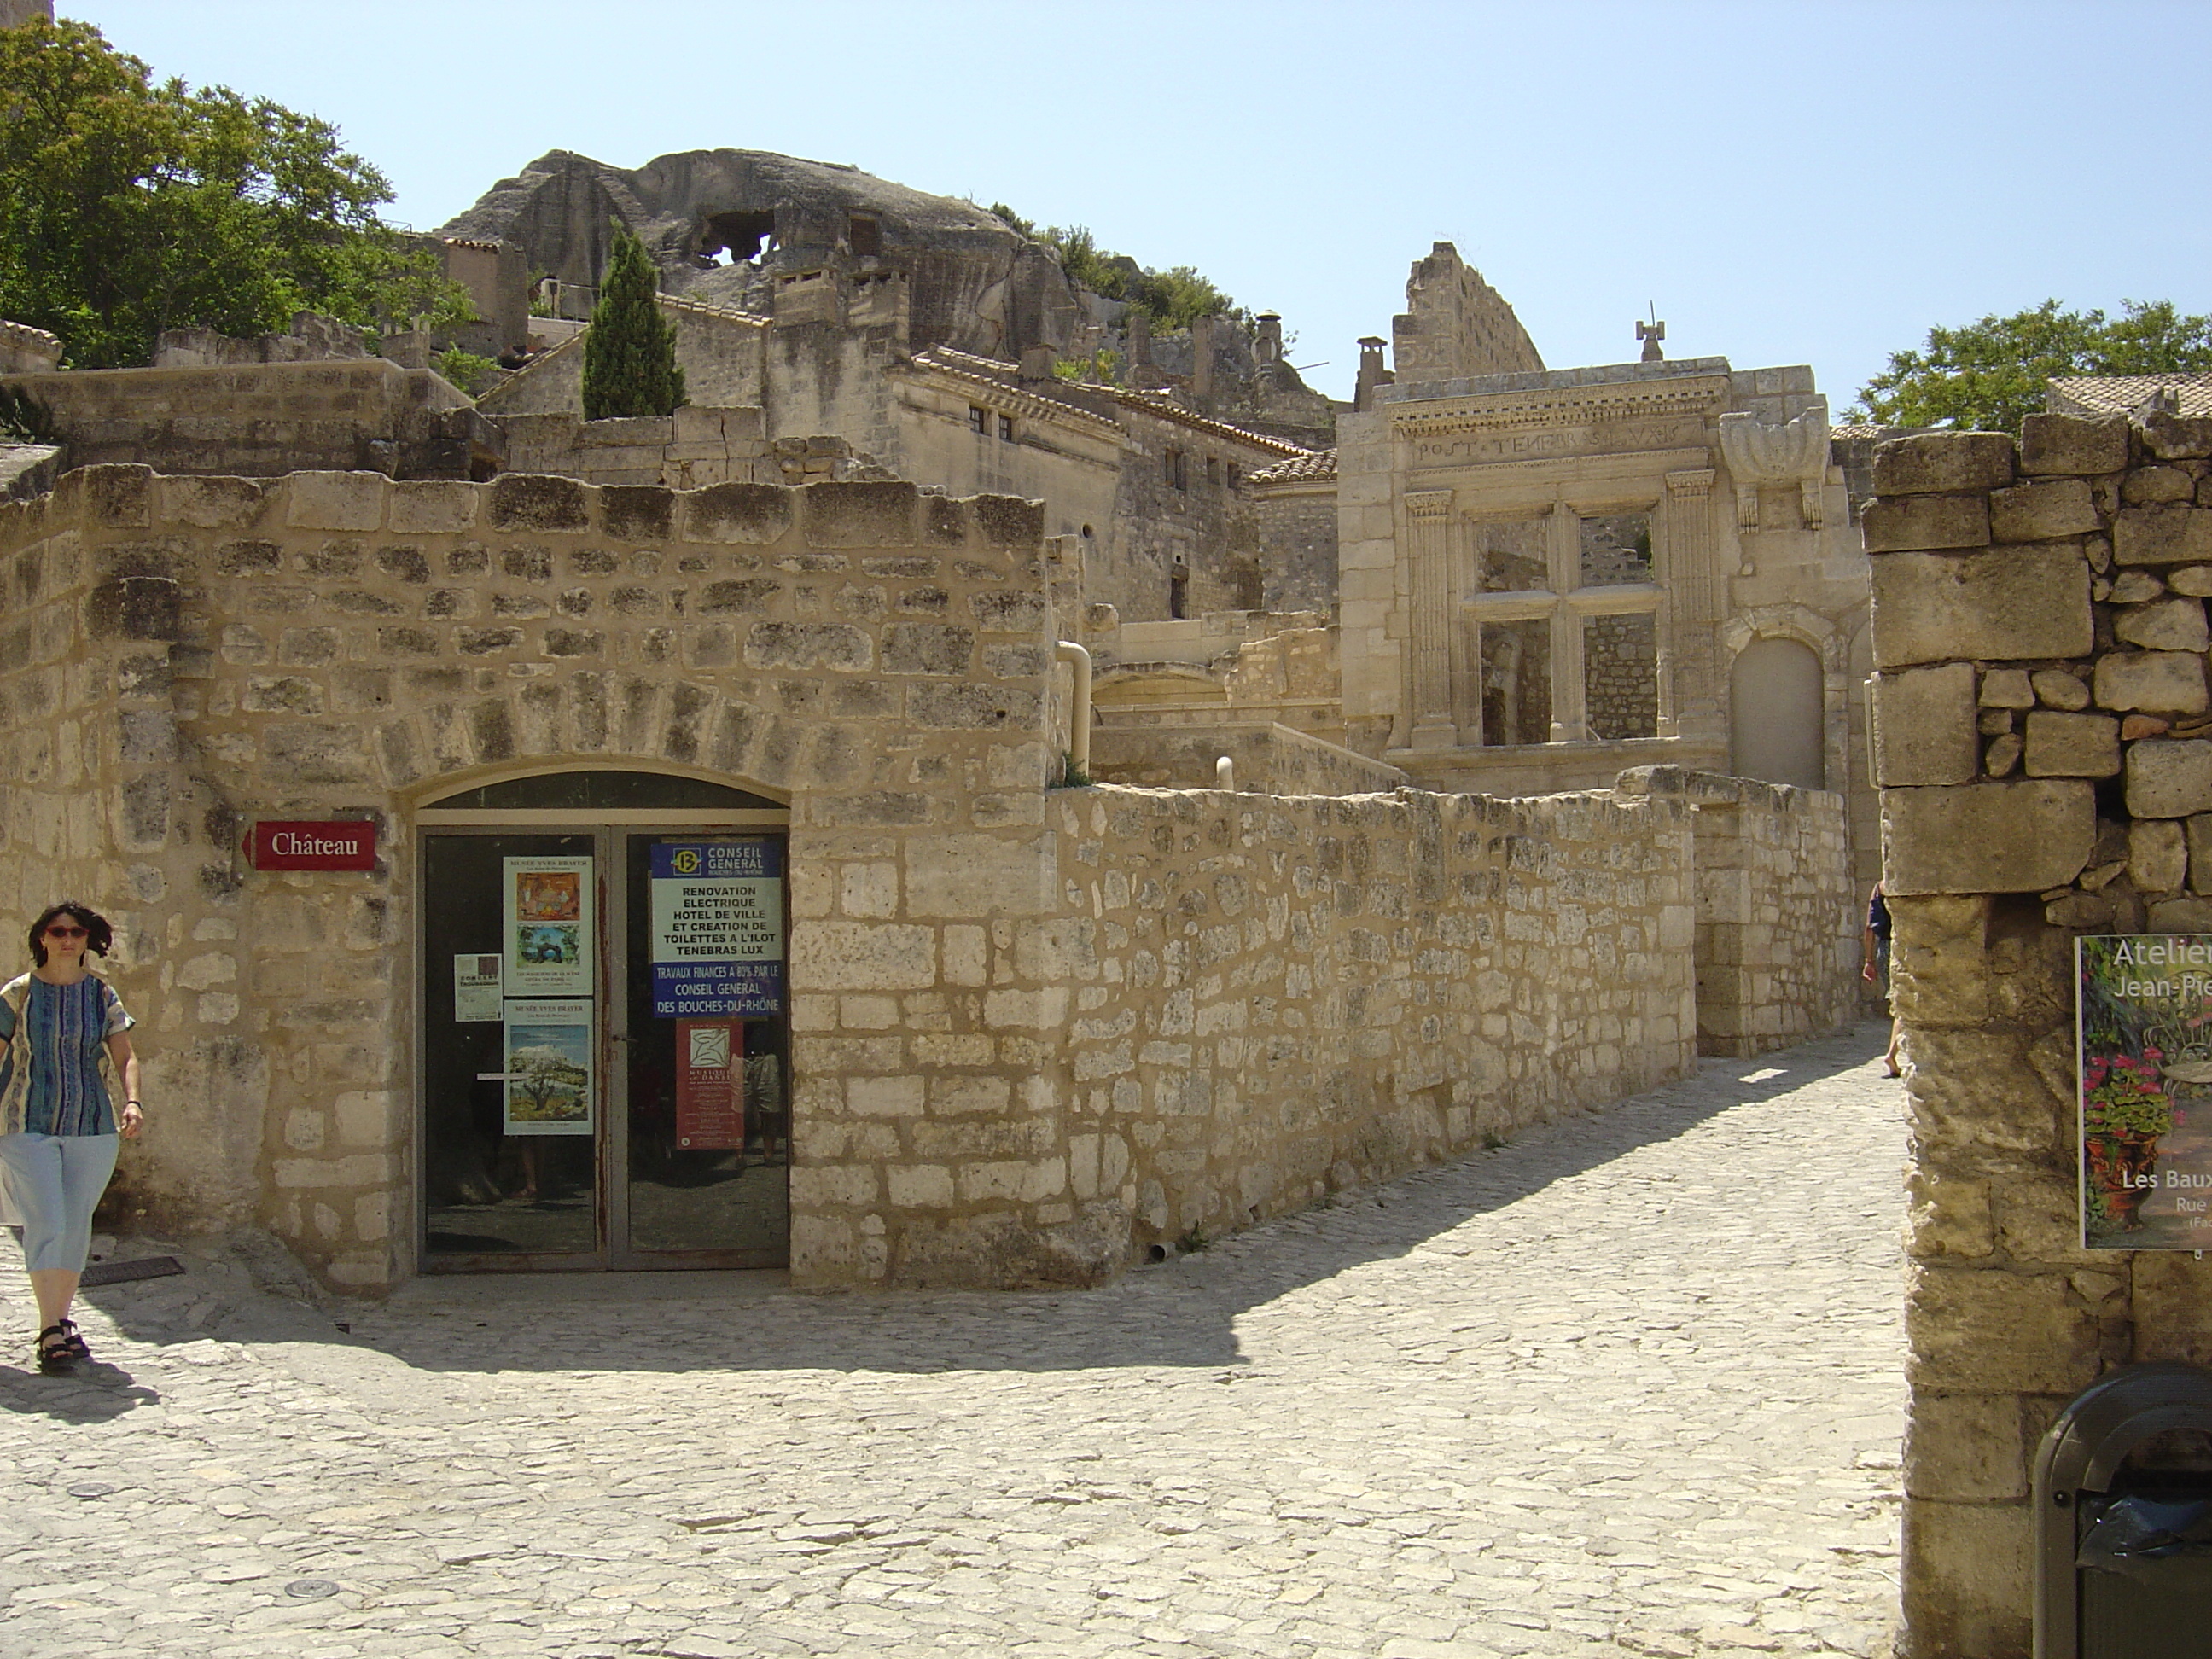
(2123, 1499)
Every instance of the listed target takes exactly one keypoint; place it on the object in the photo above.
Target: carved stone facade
(1546, 577)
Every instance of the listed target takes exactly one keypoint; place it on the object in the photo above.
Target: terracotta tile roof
(1167, 409)
(2120, 394)
(999, 384)
(1314, 464)
(470, 241)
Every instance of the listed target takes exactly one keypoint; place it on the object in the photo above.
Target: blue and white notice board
(717, 928)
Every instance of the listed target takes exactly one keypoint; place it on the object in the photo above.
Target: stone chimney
(1201, 359)
(1036, 363)
(1267, 343)
(1143, 371)
(16, 13)
(1372, 373)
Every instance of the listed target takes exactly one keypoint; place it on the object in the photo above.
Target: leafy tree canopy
(129, 206)
(1989, 376)
(1173, 299)
(629, 350)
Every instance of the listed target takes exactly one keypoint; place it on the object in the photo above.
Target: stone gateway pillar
(2044, 754)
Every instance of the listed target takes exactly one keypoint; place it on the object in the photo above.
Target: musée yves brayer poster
(2144, 1038)
(548, 903)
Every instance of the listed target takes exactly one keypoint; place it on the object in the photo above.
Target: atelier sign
(339, 844)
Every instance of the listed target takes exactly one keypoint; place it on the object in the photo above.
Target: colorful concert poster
(2144, 1039)
(549, 943)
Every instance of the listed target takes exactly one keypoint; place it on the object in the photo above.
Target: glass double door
(605, 1077)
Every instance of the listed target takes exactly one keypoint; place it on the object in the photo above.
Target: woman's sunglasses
(59, 932)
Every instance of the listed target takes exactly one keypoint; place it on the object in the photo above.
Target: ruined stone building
(550, 844)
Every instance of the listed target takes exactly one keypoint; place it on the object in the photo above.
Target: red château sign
(346, 844)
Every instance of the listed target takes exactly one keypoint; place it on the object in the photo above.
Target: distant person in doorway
(1876, 971)
(58, 1120)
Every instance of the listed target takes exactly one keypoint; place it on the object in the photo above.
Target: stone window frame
(1005, 427)
(979, 420)
(1566, 604)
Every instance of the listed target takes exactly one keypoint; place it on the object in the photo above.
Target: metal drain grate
(121, 1272)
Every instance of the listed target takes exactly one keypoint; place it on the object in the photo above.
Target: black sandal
(74, 1340)
(56, 1355)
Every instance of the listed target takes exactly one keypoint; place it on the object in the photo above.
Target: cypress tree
(629, 350)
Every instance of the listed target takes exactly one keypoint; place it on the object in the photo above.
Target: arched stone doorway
(603, 1072)
(1778, 722)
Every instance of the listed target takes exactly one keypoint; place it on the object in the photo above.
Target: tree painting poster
(2144, 1039)
(548, 1067)
(548, 903)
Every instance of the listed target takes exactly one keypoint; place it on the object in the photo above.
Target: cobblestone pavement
(1630, 1384)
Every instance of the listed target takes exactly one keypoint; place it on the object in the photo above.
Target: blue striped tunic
(68, 1025)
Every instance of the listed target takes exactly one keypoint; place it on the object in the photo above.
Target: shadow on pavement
(1176, 1315)
(97, 1393)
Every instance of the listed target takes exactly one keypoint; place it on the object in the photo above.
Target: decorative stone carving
(1758, 453)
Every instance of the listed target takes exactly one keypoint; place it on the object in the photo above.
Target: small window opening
(979, 421)
(1179, 591)
(1178, 477)
(1005, 429)
(1235, 475)
(865, 232)
(1213, 470)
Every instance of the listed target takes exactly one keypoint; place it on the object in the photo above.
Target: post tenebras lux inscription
(1444, 449)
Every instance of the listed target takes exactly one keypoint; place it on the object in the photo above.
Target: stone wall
(1456, 325)
(1778, 910)
(694, 447)
(1270, 759)
(182, 655)
(2041, 725)
(265, 419)
(1275, 999)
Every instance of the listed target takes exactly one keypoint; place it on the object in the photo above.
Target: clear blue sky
(1789, 181)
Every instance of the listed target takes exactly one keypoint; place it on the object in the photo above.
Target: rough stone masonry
(2044, 750)
(1036, 1033)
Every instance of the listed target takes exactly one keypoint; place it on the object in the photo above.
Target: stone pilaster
(1428, 523)
(1689, 640)
(1570, 711)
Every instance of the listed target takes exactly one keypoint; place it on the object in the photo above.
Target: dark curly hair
(101, 936)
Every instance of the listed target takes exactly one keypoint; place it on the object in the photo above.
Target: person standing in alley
(1876, 971)
(59, 1123)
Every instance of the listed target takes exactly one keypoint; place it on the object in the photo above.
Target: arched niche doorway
(603, 1062)
(1777, 721)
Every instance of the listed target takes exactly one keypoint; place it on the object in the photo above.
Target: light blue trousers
(55, 1182)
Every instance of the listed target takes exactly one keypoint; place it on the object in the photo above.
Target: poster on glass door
(548, 1065)
(710, 1094)
(548, 917)
(717, 912)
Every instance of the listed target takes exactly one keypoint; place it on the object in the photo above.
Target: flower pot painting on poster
(2144, 1023)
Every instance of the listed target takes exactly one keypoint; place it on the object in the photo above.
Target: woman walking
(57, 1121)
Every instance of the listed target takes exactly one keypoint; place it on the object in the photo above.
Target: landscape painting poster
(2144, 1039)
(548, 919)
(548, 1067)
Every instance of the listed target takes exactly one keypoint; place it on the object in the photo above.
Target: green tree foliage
(129, 206)
(1989, 375)
(629, 350)
(1174, 299)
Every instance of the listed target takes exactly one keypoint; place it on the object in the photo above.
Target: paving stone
(1631, 1385)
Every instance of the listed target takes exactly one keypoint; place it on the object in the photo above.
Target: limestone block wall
(262, 420)
(1269, 759)
(2041, 727)
(695, 446)
(1778, 911)
(182, 655)
(1272, 999)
